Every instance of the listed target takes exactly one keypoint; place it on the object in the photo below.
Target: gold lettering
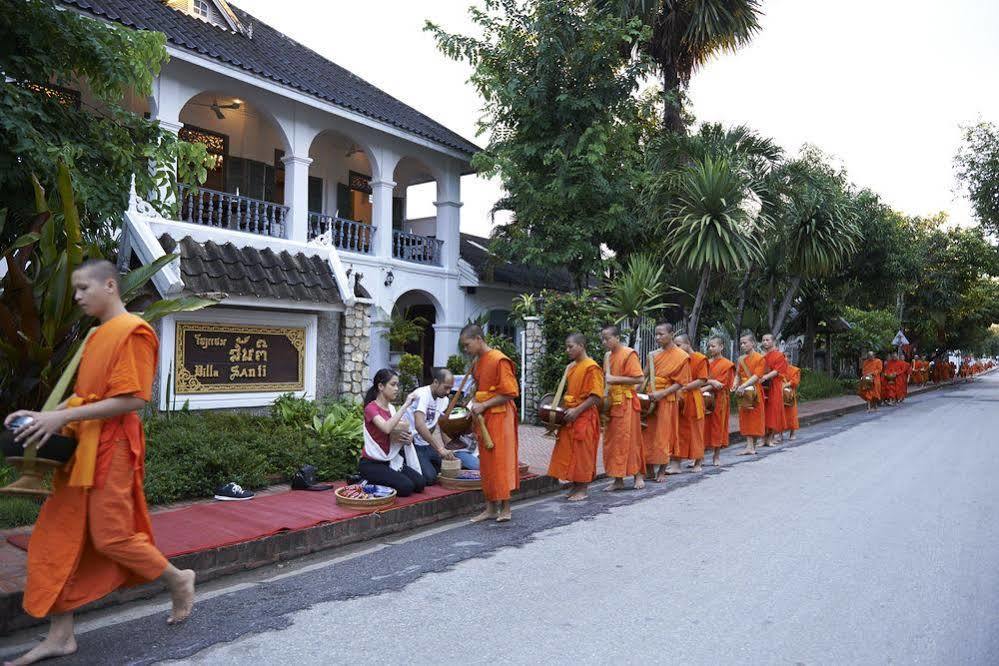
(205, 342)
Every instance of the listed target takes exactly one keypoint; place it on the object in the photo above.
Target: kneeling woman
(389, 457)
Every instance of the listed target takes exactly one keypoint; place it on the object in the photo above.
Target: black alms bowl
(57, 449)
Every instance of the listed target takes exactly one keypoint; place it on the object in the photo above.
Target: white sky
(881, 84)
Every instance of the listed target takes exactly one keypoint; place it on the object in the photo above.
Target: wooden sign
(236, 358)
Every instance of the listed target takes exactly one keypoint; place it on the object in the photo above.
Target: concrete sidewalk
(535, 450)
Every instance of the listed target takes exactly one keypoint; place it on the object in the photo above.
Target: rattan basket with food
(467, 479)
(365, 497)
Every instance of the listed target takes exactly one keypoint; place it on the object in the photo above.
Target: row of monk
(887, 381)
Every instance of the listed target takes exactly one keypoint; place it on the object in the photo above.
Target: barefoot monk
(496, 391)
(773, 383)
(869, 387)
(93, 534)
(721, 376)
(791, 411)
(752, 416)
(575, 456)
(692, 412)
(623, 447)
(672, 372)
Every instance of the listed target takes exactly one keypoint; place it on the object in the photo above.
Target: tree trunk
(808, 348)
(829, 354)
(770, 303)
(672, 110)
(785, 306)
(695, 314)
(741, 309)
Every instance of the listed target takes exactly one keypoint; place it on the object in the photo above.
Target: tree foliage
(102, 142)
(977, 166)
(557, 79)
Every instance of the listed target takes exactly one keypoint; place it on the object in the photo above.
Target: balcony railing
(231, 211)
(416, 248)
(347, 235)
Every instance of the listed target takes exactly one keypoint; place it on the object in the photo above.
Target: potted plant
(403, 330)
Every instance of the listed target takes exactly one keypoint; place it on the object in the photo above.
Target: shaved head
(681, 337)
(576, 339)
(99, 270)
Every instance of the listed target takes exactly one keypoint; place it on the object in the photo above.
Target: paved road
(874, 539)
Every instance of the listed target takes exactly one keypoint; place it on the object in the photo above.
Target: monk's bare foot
(488, 514)
(716, 458)
(47, 649)
(639, 483)
(577, 496)
(661, 476)
(504, 515)
(674, 468)
(697, 467)
(747, 452)
(793, 436)
(182, 595)
(614, 487)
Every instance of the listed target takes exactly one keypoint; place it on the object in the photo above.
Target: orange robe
(494, 376)
(889, 385)
(902, 379)
(662, 434)
(873, 367)
(624, 453)
(752, 422)
(791, 412)
(692, 417)
(775, 393)
(575, 455)
(716, 424)
(93, 534)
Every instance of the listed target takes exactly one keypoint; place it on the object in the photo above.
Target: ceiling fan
(217, 108)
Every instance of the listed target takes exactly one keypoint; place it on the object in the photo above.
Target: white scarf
(397, 454)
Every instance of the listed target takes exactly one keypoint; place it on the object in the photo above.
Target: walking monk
(773, 383)
(575, 456)
(495, 392)
(692, 412)
(752, 418)
(869, 387)
(721, 377)
(624, 453)
(93, 533)
(901, 369)
(672, 372)
(791, 411)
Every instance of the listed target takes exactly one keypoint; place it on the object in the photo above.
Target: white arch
(258, 104)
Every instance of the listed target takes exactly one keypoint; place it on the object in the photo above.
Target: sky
(881, 85)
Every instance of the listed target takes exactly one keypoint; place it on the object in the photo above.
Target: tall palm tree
(713, 225)
(635, 292)
(685, 34)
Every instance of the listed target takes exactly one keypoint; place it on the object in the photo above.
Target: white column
(381, 214)
(296, 196)
(378, 355)
(449, 217)
(445, 342)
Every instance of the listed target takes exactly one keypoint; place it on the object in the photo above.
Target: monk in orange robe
(871, 368)
(672, 372)
(791, 411)
(496, 392)
(93, 534)
(721, 377)
(750, 368)
(889, 383)
(575, 456)
(902, 371)
(773, 381)
(624, 450)
(692, 412)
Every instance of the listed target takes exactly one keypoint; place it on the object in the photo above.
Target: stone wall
(356, 339)
(329, 353)
(534, 344)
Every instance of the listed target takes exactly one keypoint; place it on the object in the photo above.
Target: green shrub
(410, 374)
(818, 385)
(507, 346)
(291, 410)
(15, 511)
(561, 315)
(456, 364)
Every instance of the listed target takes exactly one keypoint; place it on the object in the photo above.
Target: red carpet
(216, 524)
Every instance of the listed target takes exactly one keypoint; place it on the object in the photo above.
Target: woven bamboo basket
(450, 468)
(459, 484)
(370, 504)
(524, 468)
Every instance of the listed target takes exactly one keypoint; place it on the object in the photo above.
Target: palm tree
(818, 226)
(685, 34)
(635, 292)
(712, 226)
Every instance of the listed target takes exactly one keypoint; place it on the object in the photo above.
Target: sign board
(900, 340)
(231, 358)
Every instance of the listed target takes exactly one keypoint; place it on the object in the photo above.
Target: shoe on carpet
(232, 492)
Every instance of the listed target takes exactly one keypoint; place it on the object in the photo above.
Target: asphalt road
(873, 539)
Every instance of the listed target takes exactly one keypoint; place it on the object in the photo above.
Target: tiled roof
(246, 271)
(475, 250)
(272, 55)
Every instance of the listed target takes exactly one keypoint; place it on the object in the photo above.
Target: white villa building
(303, 225)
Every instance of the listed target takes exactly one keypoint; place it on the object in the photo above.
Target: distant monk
(93, 534)
(752, 418)
(773, 381)
(791, 411)
(902, 371)
(496, 391)
(869, 387)
(721, 380)
(575, 456)
(672, 372)
(623, 447)
(889, 384)
(692, 412)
